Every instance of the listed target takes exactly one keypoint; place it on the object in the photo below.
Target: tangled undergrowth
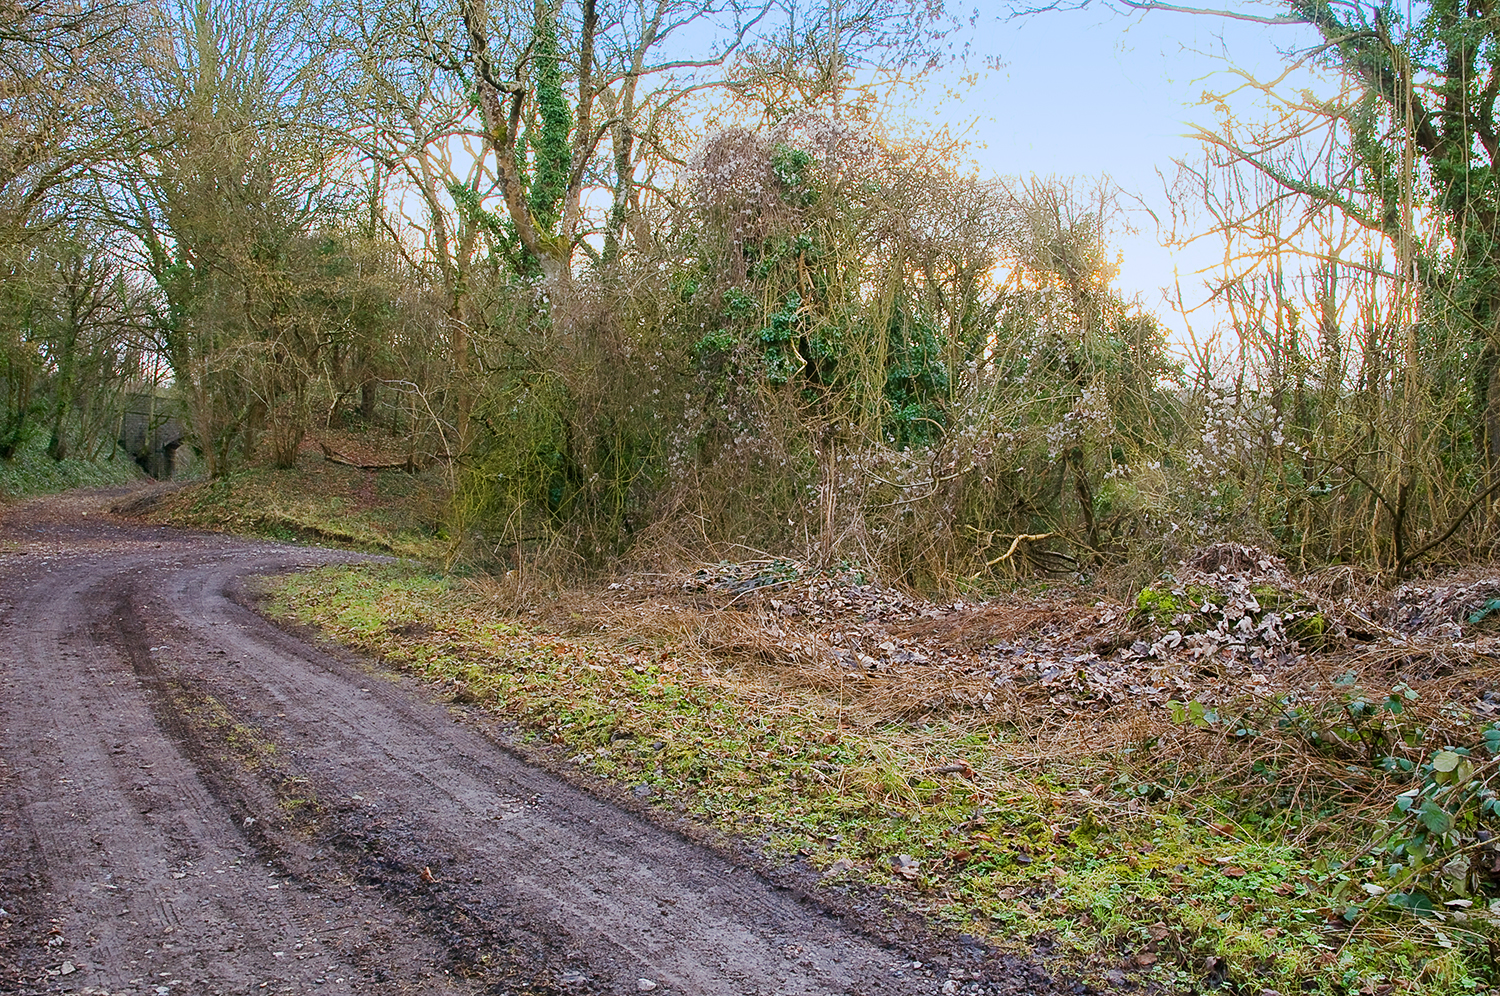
(1241, 780)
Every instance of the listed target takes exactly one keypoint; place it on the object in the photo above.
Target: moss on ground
(1177, 608)
(1197, 608)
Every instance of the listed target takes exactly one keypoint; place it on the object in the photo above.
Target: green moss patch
(1199, 608)
(1178, 608)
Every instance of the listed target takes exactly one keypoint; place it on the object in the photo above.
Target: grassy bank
(32, 473)
(1192, 846)
(318, 501)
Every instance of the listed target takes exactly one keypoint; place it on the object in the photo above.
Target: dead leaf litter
(1229, 622)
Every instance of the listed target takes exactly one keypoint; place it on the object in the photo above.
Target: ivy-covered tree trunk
(535, 191)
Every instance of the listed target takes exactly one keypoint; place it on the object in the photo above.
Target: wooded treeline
(646, 272)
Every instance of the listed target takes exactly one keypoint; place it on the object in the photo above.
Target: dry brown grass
(1281, 728)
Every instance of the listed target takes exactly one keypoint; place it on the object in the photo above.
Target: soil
(195, 801)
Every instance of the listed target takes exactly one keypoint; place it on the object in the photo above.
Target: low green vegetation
(32, 472)
(1327, 844)
(319, 501)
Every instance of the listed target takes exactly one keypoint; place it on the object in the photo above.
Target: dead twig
(1027, 537)
(952, 769)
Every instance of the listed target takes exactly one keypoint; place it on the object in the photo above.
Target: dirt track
(193, 801)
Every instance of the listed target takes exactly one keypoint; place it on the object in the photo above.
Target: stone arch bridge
(151, 431)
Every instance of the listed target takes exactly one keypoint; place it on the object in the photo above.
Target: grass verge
(1155, 844)
(318, 501)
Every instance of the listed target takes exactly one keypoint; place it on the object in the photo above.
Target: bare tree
(245, 166)
(61, 64)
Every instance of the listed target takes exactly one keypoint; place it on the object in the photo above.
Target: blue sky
(1090, 92)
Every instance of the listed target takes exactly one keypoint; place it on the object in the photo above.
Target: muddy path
(194, 801)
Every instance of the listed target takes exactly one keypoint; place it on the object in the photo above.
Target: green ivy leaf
(1492, 739)
(1416, 902)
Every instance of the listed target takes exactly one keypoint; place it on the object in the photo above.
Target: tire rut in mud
(316, 846)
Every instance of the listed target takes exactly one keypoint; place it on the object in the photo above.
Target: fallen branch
(334, 457)
(1458, 520)
(410, 465)
(1028, 537)
(952, 769)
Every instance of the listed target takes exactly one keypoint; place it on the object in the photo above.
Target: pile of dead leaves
(1452, 611)
(1242, 625)
(1233, 602)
